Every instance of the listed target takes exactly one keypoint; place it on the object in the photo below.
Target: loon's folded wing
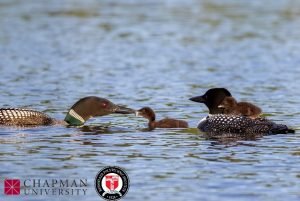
(23, 117)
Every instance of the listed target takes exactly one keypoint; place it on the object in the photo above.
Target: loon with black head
(212, 99)
(77, 115)
(218, 124)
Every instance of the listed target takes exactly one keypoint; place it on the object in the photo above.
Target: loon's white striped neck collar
(74, 119)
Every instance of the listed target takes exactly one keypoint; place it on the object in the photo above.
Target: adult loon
(218, 124)
(77, 115)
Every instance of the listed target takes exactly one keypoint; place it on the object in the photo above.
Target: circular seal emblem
(112, 183)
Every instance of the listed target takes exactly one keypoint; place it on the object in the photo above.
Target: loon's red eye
(104, 104)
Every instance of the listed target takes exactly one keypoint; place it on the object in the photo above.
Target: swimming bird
(231, 106)
(77, 115)
(217, 124)
(149, 114)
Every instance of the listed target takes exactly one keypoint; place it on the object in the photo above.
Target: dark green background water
(159, 54)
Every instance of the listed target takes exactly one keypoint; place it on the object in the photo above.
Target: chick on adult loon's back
(231, 106)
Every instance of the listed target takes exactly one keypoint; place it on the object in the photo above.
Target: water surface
(158, 54)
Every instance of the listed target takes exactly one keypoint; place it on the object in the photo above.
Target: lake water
(158, 54)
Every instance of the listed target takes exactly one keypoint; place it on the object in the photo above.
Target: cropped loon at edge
(219, 124)
(77, 115)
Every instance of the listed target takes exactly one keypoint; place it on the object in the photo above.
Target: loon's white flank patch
(77, 116)
(202, 120)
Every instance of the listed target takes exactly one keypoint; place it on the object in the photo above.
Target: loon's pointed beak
(121, 109)
(198, 99)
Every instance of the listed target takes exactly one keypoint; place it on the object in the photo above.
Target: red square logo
(12, 187)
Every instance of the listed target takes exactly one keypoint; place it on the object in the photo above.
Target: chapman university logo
(112, 183)
(45, 187)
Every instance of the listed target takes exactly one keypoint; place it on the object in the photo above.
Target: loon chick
(212, 99)
(149, 114)
(222, 125)
(77, 115)
(231, 106)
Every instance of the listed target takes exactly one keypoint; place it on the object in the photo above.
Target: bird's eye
(104, 104)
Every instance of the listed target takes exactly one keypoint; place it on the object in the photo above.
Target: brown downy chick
(149, 114)
(231, 106)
